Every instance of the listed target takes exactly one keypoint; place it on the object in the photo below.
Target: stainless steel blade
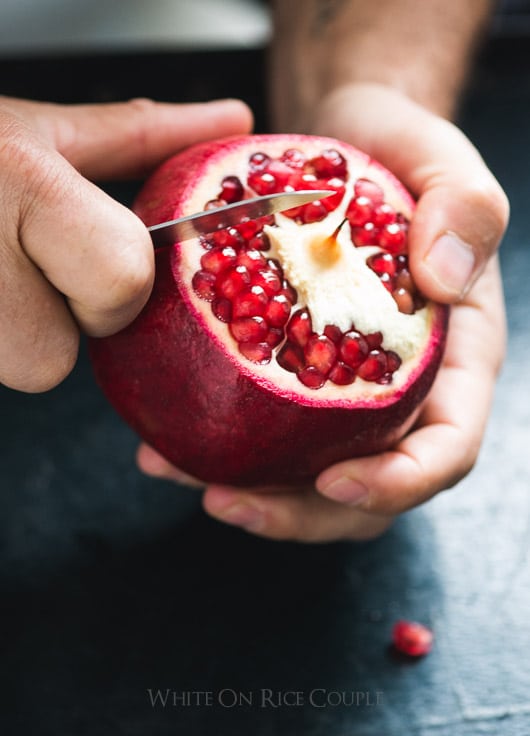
(203, 223)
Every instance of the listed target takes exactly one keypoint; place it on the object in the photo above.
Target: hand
(357, 499)
(73, 258)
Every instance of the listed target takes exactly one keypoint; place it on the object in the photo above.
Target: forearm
(422, 49)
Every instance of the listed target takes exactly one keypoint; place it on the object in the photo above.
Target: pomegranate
(270, 350)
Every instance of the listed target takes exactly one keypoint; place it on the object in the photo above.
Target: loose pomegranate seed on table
(412, 638)
(249, 292)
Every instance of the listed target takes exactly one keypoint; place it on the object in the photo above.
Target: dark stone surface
(112, 584)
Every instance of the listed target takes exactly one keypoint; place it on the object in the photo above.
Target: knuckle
(141, 106)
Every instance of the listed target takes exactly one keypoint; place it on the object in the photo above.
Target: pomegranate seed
(311, 377)
(203, 284)
(382, 263)
(367, 188)
(290, 357)
(360, 211)
(304, 181)
(313, 212)
(289, 291)
(262, 182)
(268, 280)
(387, 281)
(252, 259)
(353, 349)
(278, 310)
(247, 228)
(231, 189)
(260, 353)
(374, 339)
(294, 212)
(341, 374)
(260, 241)
(280, 171)
(222, 308)
(333, 332)
(249, 302)
(404, 300)
(404, 280)
(393, 361)
(366, 235)
(393, 237)
(330, 163)
(294, 158)
(333, 201)
(207, 243)
(249, 329)
(233, 281)
(266, 220)
(258, 161)
(374, 367)
(384, 214)
(320, 352)
(275, 266)
(412, 638)
(227, 236)
(218, 259)
(274, 336)
(299, 327)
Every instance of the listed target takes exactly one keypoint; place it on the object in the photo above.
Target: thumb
(462, 211)
(460, 219)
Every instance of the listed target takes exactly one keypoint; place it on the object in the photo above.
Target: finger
(296, 515)
(462, 211)
(152, 463)
(58, 230)
(129, 138)
(92, 249)
(445, 445)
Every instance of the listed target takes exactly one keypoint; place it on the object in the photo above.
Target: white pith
(345, 292)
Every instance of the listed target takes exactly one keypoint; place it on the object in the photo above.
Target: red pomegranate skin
(183, 393)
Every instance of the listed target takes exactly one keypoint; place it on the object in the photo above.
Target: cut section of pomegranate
(274, 348)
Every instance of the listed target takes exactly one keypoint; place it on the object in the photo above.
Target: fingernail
(346, 490)
(243, 515)
(452, 262)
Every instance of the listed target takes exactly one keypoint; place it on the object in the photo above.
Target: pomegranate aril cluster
(394, 274)
(374, 222)
(247, 290)
(294, 171)
(334, 355)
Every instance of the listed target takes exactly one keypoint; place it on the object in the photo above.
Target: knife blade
(203, 223)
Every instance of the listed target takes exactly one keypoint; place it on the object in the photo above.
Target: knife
(203, 223)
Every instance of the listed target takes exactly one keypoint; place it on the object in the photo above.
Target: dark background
(112, 584)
